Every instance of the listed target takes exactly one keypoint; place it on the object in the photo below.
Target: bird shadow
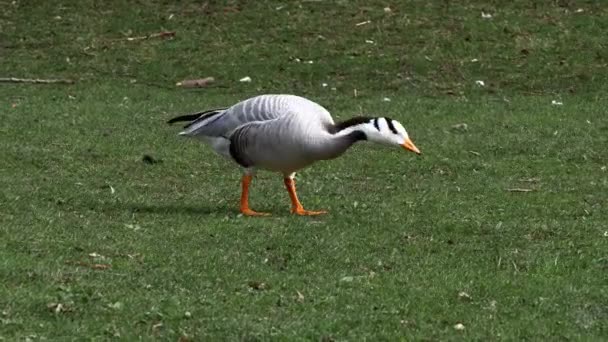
(171, 208)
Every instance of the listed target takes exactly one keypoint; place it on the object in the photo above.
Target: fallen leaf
(257, 285)
(58, 308)
(300, 296)
(464, 296)
(116, 306)
(459, 326)
(461, 127)
(347, 279)
(135, 227)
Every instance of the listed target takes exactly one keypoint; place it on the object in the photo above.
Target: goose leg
(296, 206)
(245, 210)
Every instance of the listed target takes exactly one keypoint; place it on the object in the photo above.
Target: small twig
(520, 190)
(198, 83)
(363, 23)
(164, 34)
(530, 180)
(515, 266)
(475, 153)
(35, 80)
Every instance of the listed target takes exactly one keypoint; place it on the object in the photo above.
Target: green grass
(405, 234)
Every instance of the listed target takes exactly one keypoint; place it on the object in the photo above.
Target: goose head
(381, 130)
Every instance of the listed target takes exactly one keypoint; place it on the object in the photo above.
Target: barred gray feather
(275, 132)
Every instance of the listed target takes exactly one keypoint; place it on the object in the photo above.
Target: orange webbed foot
(249, 212)
(303, 212)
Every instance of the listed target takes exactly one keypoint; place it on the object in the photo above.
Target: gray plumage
(285, 133)
(274, 132)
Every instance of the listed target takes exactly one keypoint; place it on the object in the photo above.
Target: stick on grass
(35, 80)
(520, 190)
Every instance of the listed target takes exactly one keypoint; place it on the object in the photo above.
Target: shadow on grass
(172, 208)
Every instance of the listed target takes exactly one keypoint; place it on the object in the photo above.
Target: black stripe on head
(389, 121)
(376, 124)
(349, 123)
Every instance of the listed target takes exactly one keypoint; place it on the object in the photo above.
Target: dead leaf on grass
(347, 279)
(59, 308)
(257, 285)
(459, 326)
(464, 296)
(460, 127)
(300, 296)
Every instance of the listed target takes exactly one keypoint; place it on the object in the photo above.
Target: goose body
(285, 133)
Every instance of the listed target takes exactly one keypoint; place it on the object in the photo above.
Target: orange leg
(296, 206)
(245, 210)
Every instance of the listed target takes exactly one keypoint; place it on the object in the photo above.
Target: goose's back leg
(296, 206)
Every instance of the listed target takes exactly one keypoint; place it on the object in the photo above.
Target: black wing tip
(188, 117)
(172, 121)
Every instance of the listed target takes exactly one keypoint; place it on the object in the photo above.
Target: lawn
(497, 232)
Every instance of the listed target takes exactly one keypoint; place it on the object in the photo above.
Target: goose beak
(409, 145)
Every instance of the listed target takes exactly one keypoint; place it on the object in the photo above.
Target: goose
(285, 133)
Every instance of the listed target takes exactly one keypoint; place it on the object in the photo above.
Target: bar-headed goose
(285, 133)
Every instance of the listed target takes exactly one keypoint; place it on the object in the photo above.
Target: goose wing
(257, 109)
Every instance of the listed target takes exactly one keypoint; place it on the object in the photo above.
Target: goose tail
(188, 117)
(196, 119)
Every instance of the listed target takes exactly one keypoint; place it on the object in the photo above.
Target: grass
(405, 237)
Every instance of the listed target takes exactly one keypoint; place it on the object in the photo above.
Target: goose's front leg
(296, 206)
(245, 210)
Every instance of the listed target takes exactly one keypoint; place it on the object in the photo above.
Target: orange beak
(409, 145)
